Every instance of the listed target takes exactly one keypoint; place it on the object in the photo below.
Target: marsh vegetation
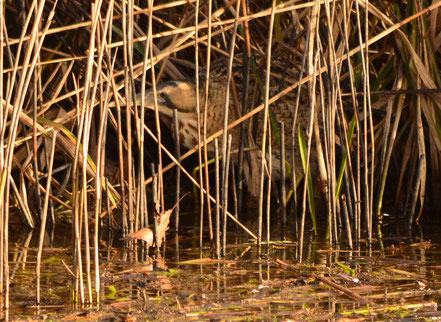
(84, 143)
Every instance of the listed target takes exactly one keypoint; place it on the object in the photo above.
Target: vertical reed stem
(347, 221)
(225, 198)
(283, 177)
(178, 169)
(225, 155)
(217, 187)
(44, 216)
(265, 121)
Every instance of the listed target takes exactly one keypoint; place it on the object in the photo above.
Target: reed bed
(372, 144)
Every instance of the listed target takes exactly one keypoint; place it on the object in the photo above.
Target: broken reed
(354, 153)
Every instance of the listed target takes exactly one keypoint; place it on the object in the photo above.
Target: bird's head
(179, 95)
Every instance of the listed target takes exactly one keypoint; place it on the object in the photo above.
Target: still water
(186, 282)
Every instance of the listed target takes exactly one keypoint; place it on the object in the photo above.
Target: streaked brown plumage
(181, 95)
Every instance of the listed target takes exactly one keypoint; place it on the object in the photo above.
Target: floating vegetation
(283, 118)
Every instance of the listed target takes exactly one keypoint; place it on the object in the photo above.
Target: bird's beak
(149, 100)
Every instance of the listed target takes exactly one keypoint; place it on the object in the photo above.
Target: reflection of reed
(21, 254)
(63, 62)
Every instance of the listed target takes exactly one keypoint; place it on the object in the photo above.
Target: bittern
(181, 95)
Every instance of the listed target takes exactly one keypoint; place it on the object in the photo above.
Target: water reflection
(184, 280)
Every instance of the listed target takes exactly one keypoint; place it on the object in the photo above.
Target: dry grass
(377, 131)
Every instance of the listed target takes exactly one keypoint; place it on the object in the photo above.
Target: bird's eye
(163, 95)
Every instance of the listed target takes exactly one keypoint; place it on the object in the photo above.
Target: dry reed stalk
(20, 87)
(389, 139)
(367, 115)
(265, 120)
(178, 170)
(43, 218)
(245, 86)
(364, 155)
(204, 123)
(143, 213)
(225, 156)
(88, 103)
(158, 127)
(347, 221)
(282, 180)
(179, 45)
(128, 75)
(99, 179)
(27, 217)
(217, 198)
(189, 176)
(199, 127)
(355, 191)
(268, 180)
(224, 196)
(312, 67)
(124, 219)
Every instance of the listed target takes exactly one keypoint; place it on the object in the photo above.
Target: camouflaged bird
(181, 95)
